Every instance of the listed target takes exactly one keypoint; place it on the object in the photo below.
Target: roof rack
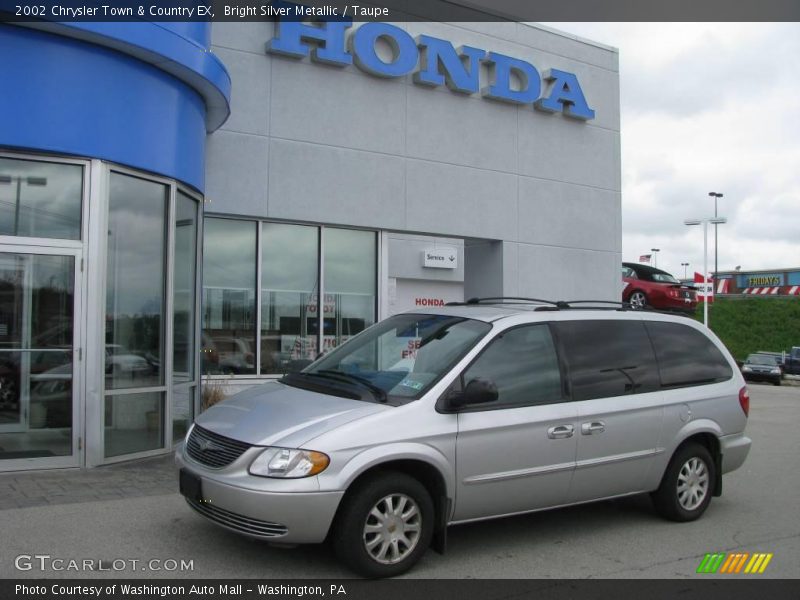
(506, 300)
(549, 304)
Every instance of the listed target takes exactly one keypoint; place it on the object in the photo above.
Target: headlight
(746, 368)
(286, 463)
(776, 371)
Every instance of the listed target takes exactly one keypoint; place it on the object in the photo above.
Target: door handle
(560, 431)
(593, 427)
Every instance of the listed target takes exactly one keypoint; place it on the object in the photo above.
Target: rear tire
(638, 300)
(688, 484)
(384, 526)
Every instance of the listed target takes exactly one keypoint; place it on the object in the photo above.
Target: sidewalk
(146, 477)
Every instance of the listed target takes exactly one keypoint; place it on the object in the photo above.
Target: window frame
(570, 384)
(458, 383)
(320, 227)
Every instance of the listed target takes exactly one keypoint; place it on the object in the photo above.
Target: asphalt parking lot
(758, 512)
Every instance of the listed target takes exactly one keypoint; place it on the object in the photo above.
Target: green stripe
(704, 564)
(718, 563)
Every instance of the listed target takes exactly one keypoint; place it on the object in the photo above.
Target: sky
(708, 107)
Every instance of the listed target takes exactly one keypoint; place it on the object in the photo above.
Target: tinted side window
(608, 358)
(522, 363)
(686, 356)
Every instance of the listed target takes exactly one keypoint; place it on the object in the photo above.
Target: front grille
(239, 523)
(213, 450)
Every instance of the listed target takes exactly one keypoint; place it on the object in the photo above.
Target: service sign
(440, 258)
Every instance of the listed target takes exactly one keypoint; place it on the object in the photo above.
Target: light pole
(684, 265)
(655, 252)
(716, 196)
(704, 223)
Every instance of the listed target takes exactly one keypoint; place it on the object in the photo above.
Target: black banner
(399, 10)
(405, 589)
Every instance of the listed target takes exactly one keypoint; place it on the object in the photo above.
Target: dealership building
(194, 203)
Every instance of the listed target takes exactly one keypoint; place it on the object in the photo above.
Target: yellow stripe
(757, 564)
(750, 564)
(728, 562)
(741, 561)
(765, 563)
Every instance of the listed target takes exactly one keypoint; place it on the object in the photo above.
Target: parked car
(463, 413)
(792, 363)
(762, 367)
(647, 286)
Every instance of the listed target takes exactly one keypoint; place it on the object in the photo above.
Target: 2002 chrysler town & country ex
(456, 414)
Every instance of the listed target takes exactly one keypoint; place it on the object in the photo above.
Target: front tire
(384, 526)
(688, 484)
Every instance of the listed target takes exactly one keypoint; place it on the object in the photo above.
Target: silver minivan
(469, 412)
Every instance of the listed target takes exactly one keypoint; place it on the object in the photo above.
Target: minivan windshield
(396, 360)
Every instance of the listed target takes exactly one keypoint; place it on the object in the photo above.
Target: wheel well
(425, 473)
(710, 442)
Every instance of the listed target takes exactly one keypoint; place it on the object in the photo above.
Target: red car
(648, 286)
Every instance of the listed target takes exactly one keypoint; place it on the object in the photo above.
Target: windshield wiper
(378, 392)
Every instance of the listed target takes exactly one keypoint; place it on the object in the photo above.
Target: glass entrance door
(39, 376)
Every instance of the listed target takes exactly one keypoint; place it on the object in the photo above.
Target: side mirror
(478, 391)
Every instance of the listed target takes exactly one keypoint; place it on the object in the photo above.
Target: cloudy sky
(708, 107)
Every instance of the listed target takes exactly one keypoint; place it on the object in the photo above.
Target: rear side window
(608, 358)
(686, 356)
(523, 364)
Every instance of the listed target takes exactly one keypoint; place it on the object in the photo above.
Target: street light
(704, 223)
(655, 252)
(716, 196)
(684, 265)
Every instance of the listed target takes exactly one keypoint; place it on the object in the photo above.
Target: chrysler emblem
(206, 445)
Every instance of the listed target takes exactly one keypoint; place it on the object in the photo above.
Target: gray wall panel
(322, 104)
(561, 214)
(249, 103)
(458, 129)
(461, 201)
(558, 148)
(309, 182)
(237, 182)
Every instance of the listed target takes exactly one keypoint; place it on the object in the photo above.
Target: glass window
(135, 287)
(686, 356)
(40, 199)
(608, 358)
(229, 287)
(350, 264)
(289, 296)
(134, 423)
(184, 295)
(523, 365)
(36, 312)
(402, 357)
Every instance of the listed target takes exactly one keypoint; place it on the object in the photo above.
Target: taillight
(744, 400)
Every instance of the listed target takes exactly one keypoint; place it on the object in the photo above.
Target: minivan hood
(275, 414)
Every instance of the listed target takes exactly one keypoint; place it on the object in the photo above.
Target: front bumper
(285, 517)
(734, 449)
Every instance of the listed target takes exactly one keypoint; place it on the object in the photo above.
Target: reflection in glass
(134, 423)
(182, 411)
(350, 264)
(184, 295)
(36, 311)
(229, 276)
(289, 296)
(40, 199)
(135, 283)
